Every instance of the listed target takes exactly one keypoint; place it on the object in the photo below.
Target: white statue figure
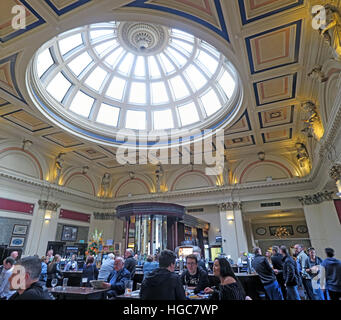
(331, 32)
(59, 163)
(105, 185)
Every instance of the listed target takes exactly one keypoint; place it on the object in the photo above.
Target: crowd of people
(283, 276)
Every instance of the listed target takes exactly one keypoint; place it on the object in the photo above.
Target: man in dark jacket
(267, 275)
(333, 274)
(162, 283)
(25, 280)
(291, 275)
(130, 262)
(277, 263)
(194, 276)
(116, 280)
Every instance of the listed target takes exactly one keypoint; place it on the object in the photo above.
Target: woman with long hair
(229, 288)
(53, 271)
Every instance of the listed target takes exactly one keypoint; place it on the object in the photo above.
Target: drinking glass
(65, 280)
(128, 287)
(54, 283)
(84, 282)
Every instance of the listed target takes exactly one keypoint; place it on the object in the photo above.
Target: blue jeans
(292, 293)
(273, 290)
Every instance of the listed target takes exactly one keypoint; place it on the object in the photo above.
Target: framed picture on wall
(69, 233)
(273, 229)
(19, 229)
(17, 242)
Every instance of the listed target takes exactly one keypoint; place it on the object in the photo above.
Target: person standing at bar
(267, 275)
(277, 263)
(302, 266)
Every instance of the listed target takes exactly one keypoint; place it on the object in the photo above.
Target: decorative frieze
(316, 198)
(104, 216)
(48, 205)
(230, 206)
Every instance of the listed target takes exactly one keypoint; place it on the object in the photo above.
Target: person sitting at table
(30, 287)
(149, 266)
(107, 267)
(194, 276)
(162, 283)
(53, 271)
(5, 274)
(229, 288)
(116, 280)
(90, 270)
(43, 275)
(72, 264)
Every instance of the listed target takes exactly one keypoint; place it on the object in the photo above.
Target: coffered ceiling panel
(7, 32)
(274, 48)
(8, 82)
(63, 139)
(239, 142)
(90, 153)
(278, 135)
(61, 7)
(26, 120)
(242, 125)
(205, 12)
(276, 117)
(276, 89)
(253, 10)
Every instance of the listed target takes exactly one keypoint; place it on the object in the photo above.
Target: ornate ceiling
(273, 45)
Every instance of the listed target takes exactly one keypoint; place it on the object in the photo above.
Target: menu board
(185, 251)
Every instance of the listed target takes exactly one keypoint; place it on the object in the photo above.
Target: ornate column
(232, 229)
(48, 217)
(322, 221)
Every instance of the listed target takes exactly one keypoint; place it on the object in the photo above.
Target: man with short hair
(5, 291)
(49, 255)
(116, 280)
(201, 262)
(267, 275)
(72, 264)
(107, 267)
(303, 266)
(194, 276)
(25, 275)
(130, 262)
(277, 263)
(14, 255)
(333, 274)
(162, 283)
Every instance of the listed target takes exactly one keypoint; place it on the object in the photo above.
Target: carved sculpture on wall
(335, 173)
(59, 163)
(317, 71)
(230, 206)
(302, 155)
(105, 185)
(316, 198)
(331, 31)
(85, 170)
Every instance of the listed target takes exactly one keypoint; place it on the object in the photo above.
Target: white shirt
(5, 291)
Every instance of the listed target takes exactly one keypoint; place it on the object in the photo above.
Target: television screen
(218, 239)
(69, 233)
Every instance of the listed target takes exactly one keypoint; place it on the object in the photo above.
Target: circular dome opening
(133, 77)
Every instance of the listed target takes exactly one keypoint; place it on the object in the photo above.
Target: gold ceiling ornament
(281, 232)
(302, 157)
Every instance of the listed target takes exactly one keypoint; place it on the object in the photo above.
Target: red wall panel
(73, 215)
(16, 206)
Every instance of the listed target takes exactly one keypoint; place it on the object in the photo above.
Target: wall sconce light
(261, 155)
(48, 216)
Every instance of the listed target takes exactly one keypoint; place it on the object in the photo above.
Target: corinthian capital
(230, 206)
(48, 205)
(335, 171)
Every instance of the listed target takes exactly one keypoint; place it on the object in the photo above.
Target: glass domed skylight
(133, 75)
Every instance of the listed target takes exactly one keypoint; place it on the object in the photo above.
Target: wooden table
(78, 293)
